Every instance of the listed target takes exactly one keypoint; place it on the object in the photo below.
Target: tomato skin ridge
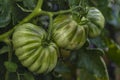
(96, 22)
(28, 41)
(67, 33)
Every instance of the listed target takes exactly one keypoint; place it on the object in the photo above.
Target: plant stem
(39, 4)
(78, 74)
(62, 12)
(7, 75)
(7, 40)
(50, 26)
(18, 76)
(35, 12)
(51, 14)
(66, 11)
(5, 35)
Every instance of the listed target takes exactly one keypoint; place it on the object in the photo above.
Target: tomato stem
(39, 4)
(62, 12)
(37, 11)
(66, 11)
(18, 76)
(8, 42)
(51, 14)
(50, 26)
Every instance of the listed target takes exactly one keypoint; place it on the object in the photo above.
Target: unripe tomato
(67, 33)
(96, 22)
(33, 50)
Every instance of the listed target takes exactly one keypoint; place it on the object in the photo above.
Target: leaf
(28, 76)
(62, 4)
(9, 14)
(115, 14)
(10, 66)
(13, 76)
(55, 5)
(91, 61)
(74, 3)
(16, 11)
(85, 75)
(61, 68)
(98, 42)
(2, 67)
(5, 13)
(23, 9)
(113, 52)
(98, 2)
(4, 49)
(97, 51)
(30, 4)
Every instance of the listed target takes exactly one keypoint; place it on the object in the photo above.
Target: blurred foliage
(84, 64)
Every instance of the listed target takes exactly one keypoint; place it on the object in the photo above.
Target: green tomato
(67, 33)
(96, 22)
(32, 49)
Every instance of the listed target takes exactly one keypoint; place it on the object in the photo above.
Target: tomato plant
(57, 39)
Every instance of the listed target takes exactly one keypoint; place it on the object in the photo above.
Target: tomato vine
(68, 36)
(37, 11)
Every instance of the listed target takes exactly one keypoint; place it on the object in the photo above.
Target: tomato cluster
(40, 55)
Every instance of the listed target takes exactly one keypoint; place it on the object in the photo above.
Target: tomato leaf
(98, 42)
(9, 14)
(73, 3)
(113, 52)
(98, 2)
(28, 76)
(4, 49)
(16, 11)
(2, 67)
(10, 66)
(92, 61)
(13, 76)
(30, 4)
(61, 68)
(84, 73)
(5, 12)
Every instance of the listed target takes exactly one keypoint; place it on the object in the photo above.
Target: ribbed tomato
(96, 22)
(33, 50)
(67, 33)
